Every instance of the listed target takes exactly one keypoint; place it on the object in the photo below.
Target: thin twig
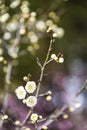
(43, 66)
(26, 118)
(49, 61)
(18, 127)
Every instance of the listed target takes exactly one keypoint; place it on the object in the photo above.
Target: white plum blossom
(4, 17)
(14, 4)
(4, 117)
(34, 38)
(20, 92)
(77, 105)
(59, 31)
(30, 86)
(40, 25)
(53, 56)
(7, 35)
(34, 117)
(54, 35)
(31, 101)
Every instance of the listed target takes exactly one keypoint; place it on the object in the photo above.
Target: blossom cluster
(28, 27)
(59, 59)
(26, 94)
(23, 91)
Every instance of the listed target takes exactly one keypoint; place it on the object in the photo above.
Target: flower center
(31, 100)
(21, 92)
(30, 86)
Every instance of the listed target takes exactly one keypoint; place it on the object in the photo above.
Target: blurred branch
(48, 120)
(26, 118)
(9, 119)
(8, 74)
(53, 116)
(84, 87)
(38, 62)
(17, 39)
(7, 83)
(53, 5)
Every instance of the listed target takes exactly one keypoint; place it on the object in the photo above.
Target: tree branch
(53, 116)
(43, 66)
(84, 87)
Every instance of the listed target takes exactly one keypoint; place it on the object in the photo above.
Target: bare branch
(44, 64)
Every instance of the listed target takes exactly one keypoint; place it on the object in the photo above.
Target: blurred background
(23, 38)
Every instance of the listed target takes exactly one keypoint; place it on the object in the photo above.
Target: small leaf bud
(25, 78)
(54, 35)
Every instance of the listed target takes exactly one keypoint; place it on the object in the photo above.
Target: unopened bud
(49, 92)
(61, 60)
(17, 122)
(54, 35)
(44, 127)
(25, 78)
(65, 116)
(4, 117)
(48, 98)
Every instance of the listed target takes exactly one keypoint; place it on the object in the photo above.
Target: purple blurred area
(64, 89)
